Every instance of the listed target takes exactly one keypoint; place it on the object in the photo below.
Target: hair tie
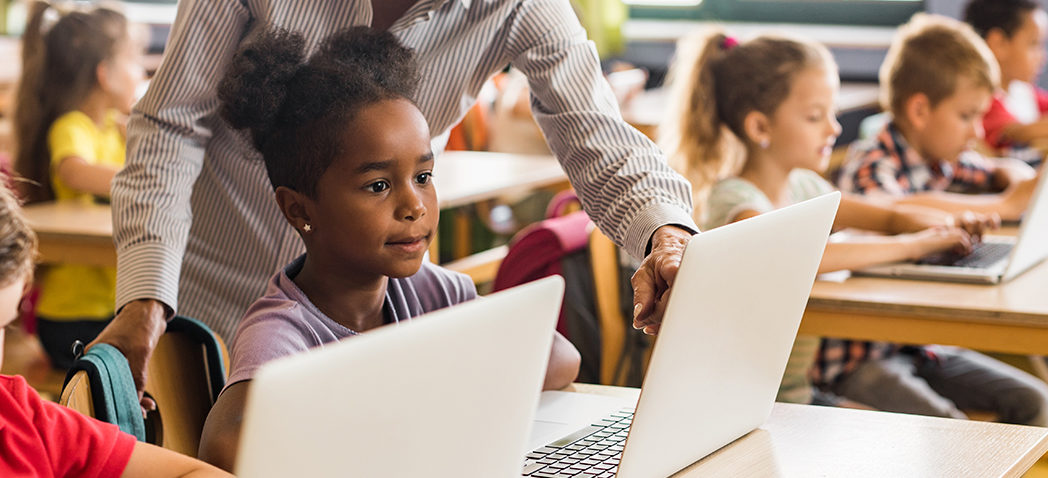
(728, 43)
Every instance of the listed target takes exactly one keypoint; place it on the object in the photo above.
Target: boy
(937, 82)
(1015, 31)
(41, 438)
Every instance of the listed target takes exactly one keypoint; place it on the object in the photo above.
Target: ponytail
(694, 136)
(31, 115)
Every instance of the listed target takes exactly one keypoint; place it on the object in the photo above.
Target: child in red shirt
(43, 439)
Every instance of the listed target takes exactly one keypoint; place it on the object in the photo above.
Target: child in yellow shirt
(78, 80)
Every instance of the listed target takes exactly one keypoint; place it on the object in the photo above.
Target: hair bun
(253, 91)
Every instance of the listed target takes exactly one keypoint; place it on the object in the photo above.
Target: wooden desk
(83, 234)
(73, 233)
(806, 440)
(1010, 317)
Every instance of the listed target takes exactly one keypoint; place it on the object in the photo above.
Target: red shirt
(998, 117)
(43, 439)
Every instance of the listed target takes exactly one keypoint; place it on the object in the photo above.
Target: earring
(765, 143)
(307, 228)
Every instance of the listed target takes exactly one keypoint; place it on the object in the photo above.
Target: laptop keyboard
(984, 254)
(592, 452)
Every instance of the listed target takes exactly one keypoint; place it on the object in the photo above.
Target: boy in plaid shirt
(937, 82)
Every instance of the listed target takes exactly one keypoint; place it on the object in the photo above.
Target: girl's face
(123, 73)
(375, 211)
(804, 127)
(1022, 56)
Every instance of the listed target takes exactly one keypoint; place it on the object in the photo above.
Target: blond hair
(928, 55)
(715, 83)
(17, 240)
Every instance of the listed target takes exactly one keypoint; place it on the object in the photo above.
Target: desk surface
(82, 233)
(805, 440)
(1011, 317)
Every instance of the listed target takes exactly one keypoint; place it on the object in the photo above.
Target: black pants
(57, 337)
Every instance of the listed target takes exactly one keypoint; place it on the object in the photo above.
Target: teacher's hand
(135, 331)
(652, 281)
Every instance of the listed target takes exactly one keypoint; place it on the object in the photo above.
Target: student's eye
(377, 186)
(423, 178)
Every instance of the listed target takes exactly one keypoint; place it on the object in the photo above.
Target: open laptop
(452, 393)
(730, 323)
(996, 259)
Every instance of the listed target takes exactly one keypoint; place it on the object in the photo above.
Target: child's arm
(866, 251)
(563, 366)
(80, 175)
(1009, 204)
(152, 461)
(1025, 133)
(221, 435)
(859, 212)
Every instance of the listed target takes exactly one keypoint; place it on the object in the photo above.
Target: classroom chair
(186, 373)
(594, 310)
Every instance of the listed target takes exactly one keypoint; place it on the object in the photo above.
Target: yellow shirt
(77, 292)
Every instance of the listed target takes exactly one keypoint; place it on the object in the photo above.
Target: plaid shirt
(887, 165)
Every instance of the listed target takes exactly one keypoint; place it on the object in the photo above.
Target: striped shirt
(195, 223)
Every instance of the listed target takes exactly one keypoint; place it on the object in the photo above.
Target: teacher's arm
(167, 135)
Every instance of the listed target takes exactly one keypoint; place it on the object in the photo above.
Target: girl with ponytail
(79, 73)
(753, 129)
(348, 155)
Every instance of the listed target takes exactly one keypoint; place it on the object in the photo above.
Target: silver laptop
(730, 323)
(452, 393)
(996, 259)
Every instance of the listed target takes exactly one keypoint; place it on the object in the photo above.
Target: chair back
(186, 373)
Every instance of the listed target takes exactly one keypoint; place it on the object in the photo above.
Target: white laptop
(452, 393)
(730, 323)
(996, 259)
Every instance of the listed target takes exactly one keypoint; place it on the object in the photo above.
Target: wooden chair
(615, 329)
(186, 373)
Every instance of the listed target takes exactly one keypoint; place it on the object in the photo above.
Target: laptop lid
(730, 323)
(409, 400)
(1031, 246)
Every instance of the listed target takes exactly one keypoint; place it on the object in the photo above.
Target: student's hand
(939, 239)
(135, 331)
(1015, 199)
(976, 224)
(652, 281)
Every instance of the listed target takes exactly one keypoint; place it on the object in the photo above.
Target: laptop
(732, 316)
(996, 259)
(451, 393)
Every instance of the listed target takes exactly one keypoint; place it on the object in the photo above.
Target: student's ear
(757, 127)
(998, 42)
(918, 110)
(295, 206)
(102, 75)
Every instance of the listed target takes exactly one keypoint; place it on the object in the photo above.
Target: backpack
(113, 390)
(559, 245)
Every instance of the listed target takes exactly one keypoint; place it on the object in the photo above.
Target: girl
(764, 111)
(348, 154)
(78, 82)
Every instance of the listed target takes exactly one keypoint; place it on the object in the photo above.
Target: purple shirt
(284, 322)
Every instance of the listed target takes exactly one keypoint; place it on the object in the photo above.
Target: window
(853, 12)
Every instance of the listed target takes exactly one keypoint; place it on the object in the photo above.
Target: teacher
(197, 230)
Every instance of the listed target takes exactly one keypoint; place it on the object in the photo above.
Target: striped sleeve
(621, 176)
(168, 131)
